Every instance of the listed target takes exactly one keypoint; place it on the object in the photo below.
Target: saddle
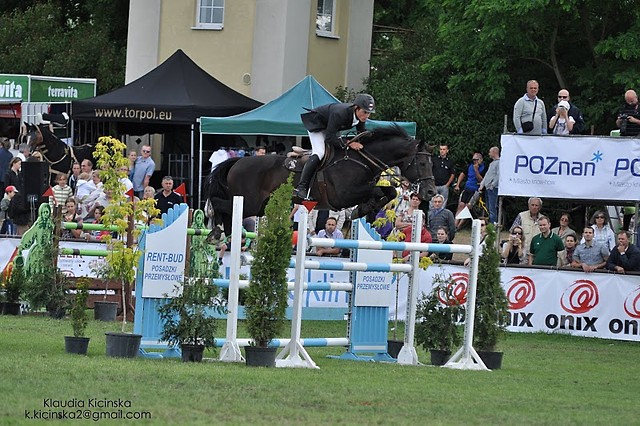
(297, 158)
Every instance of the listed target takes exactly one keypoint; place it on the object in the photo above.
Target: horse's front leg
(380, 196)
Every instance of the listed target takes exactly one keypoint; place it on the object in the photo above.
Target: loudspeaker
(36, 178)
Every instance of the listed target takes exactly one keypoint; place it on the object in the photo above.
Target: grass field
(546, 379)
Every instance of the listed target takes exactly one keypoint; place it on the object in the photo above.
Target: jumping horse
(58, 154)
(346, 179)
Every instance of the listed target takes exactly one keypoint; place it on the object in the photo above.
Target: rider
(324, 125)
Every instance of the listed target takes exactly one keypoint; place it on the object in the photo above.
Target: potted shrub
(436, 316)
(122, 257)
(266, 298)
(491, 304)
(78, 343)
(46, 286)
(187, 318)
(13, 281)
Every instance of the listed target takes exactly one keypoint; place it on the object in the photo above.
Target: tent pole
(199, 166)
(191, 166)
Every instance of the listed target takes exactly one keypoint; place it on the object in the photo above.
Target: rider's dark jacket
(331, 119)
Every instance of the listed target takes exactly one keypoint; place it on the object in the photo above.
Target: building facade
(259, 48)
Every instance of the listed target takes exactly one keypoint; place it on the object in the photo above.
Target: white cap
(564, 104)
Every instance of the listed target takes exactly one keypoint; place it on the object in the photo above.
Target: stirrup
(301, 193)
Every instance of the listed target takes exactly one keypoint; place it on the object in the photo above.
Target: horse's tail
(216, 187)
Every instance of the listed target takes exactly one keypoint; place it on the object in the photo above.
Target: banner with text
(570, 167)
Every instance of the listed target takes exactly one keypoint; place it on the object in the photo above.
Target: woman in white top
(602, 233)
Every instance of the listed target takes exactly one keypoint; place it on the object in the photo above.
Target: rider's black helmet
(366, 102)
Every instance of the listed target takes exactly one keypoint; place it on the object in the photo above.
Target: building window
(325, 17)
(210, 14)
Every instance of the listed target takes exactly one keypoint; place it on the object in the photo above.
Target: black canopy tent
(167, 99)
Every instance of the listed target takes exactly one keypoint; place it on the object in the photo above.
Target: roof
(177, 91)
(281, 116)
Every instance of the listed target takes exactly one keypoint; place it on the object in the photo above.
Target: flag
(49, 193)
(182, 190)
(129, 193)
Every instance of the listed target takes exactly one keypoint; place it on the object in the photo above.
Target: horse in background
(346, 179)
(58, 154)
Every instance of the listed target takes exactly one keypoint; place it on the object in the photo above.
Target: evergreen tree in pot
(266, 298)
(491, 304)
(13, 280)
(436, 316)
(79, 343)
(187, 318)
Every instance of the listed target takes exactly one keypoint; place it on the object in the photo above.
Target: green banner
(58, 90)
(14, 87)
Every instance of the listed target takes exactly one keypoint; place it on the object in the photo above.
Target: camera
(623, 117)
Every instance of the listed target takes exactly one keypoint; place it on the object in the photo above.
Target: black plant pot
(492, 360)
(123, 345)
(105, 311)
(192, 353)
(394, 347)
(76, 345)
(10, 308)
(257, 356)
(439, 357)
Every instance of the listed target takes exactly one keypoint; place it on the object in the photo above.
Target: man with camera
(628, 120)
(570, 113)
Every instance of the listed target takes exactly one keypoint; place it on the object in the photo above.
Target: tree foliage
(65, 38)
(456, 67)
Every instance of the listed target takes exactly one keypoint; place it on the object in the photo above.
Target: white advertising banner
(373, 288)
(164, 258)
(570, 167)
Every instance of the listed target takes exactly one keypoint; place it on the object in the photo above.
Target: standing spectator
(514, 249)
(61, 193)
(404, 193)
(563, 231)
(86, 166)
(330, 231)
(565, 257)
(628, 120)
(590, 255)
(19, 211)
(441, 217)
(475, 173)
(562, 123)
(442, 237)
(528, 220)
(5, 160)
(132, 157)
(149, 193)
(529, 115)
(25, 152)
(490, 182)
(72, 216)
(545, 246)
(405, 219)
(7, 224)
(573, 112)
(603, 234)
(143, 171)
(167, 198)
(624, 257)
(75, 174)
(260, 151)
(443, 173)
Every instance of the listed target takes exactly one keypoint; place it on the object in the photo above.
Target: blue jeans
(492, 204)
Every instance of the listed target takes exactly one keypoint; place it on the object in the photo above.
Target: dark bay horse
(58, 154)
(347, 179)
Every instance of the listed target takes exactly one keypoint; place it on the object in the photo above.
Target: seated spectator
(149, 193)
(96, 235)
(513, 251)
(225, 243)
(564, 230)
(602, 233)
(441, 217)
(544, 247)
(404, 218)
(624, 257)
(71, 216)
(425, 237)
(590, 255)
(442, 237)
(565, 257)
(330, 231)
(88, 203)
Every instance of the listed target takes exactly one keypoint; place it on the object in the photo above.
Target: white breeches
(317, 143)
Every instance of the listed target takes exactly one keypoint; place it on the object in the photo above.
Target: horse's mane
(386, 132)
(216, 184)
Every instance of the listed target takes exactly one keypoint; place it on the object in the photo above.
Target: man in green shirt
(545, 246)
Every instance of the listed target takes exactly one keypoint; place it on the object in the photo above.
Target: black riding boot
(308, 172)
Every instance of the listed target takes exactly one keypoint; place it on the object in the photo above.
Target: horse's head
(420, 171)
(31, 135)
